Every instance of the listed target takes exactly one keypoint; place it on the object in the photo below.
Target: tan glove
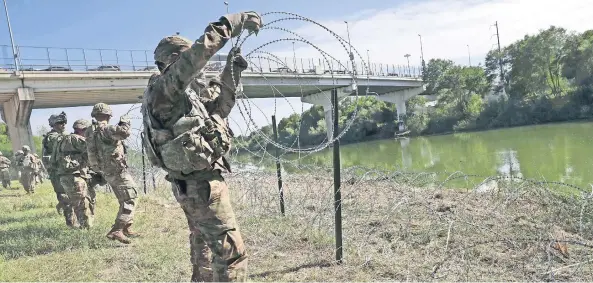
(237, 59)
(245, 20)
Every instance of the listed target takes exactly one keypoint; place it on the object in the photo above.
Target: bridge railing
(55, 59)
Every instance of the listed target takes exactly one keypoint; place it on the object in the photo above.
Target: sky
(460, 30)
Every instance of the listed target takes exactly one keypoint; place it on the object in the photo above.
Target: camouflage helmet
(81, 124)
(52, 120)
(19, 152)
(101, 108)
(35, 154)
(168, 45)
(26, 148)
(61, 118)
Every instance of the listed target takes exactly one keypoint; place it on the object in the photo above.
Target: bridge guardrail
(56, 59)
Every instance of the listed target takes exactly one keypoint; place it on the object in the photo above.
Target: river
(561, 152)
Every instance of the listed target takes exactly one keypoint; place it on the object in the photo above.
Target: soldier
(106, 156)
(5, 171)
(41, 172)
(29, 165)
(186, 135)
(18, 160)
(58, 124)
(70, 159)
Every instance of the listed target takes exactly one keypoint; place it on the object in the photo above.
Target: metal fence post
(86, 66)
(278, 170)
(337, 179)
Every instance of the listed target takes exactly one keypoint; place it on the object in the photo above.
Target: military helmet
(61, 118)
(19, 152)
(35, 154)
(26, 148)
(101, 108)
(81, 124)
(168, 45)
(52, 120)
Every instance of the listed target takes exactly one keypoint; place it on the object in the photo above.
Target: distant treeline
(547, 77)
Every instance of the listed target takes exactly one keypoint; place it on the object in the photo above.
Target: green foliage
(547, 77)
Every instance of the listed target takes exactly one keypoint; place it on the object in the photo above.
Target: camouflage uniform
(18, 162)
(29, 165)
(57, 122)
(94, 181)
(106, 154)
(41, 172)
(5, 171)
(186, 135)
(69, 158)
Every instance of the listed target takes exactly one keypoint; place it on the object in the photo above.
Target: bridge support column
(17, 113)
(400, 97)
(324, 99)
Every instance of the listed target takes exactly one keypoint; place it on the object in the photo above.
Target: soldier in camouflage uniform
(41, 172)
(69, 160)
(58, 124)
(186, 135)
(106, 155)
(18, 162)
(29, 165)
(5, 171)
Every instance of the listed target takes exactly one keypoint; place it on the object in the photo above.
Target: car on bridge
(57, 68)
(106, 68)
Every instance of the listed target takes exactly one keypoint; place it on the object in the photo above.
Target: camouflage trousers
(63, 202)
(213, 228)
(78, 199)
(124, 188)
(92, 184)
(28, 180)
(5, 175)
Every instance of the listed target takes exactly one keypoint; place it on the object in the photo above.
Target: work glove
(124, 120)
(236, 58)
(245, 20)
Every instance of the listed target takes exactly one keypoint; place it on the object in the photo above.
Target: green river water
(560, 152)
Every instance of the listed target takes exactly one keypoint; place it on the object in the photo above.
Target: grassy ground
(392, 231)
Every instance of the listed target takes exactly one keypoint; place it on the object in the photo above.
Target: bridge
(53, 82)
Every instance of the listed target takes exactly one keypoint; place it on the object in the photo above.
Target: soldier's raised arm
(229, 80)
(179, 60)
(120, 132)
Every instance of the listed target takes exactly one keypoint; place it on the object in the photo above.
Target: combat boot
(201, 274)
(129, 233)
(59, 208)
(117, 233)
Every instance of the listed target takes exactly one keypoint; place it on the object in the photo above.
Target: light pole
(469, 57)
(16, 66)
(408, 57)
(351, 54)
(227, 12)
(368, 62)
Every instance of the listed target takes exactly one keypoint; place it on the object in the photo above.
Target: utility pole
(421, 51)
(421, 56)
(14, 54)
(499, 55)
(469, 57)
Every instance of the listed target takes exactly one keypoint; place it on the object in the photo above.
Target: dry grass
(395, 227)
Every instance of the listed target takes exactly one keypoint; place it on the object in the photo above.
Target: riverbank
(392, 230)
